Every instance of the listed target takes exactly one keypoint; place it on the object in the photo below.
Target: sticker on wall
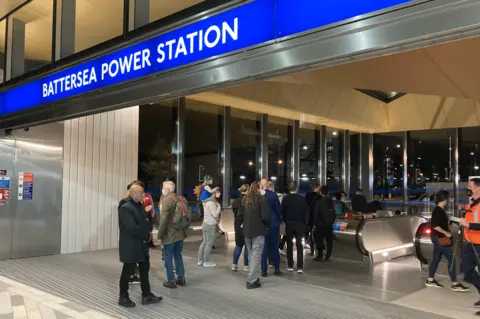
(4, 188)
(25, 186)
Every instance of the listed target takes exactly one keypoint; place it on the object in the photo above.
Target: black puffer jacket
(237, 224)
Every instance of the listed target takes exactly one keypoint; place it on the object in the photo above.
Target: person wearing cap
(207, 189)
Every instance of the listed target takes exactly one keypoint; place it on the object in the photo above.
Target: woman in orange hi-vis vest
(471, 224)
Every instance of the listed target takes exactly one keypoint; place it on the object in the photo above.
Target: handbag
(445, 241)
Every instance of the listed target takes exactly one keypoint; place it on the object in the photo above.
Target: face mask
(164, 192)
(262, 192)
(469, 192)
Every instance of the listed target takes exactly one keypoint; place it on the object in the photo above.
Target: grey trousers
(209, 236)
(255, 249)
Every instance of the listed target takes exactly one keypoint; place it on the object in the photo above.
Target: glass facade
(280, 139)
(245, 144)
(157, 149)
(91, 17)
(309, 156)
(334, 160)
(203, 144)
(160, 9)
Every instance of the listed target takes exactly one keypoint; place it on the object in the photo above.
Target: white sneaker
(300, 271)
(200, 263)
(235, 267)
(246, 268)
(209, 264)
(290, 269)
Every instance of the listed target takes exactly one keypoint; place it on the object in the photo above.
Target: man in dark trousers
(311, 198)
(271, 240)
(295, 213)
(133, 246)
(324, 218)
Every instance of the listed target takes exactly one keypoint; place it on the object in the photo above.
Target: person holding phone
(442, 244)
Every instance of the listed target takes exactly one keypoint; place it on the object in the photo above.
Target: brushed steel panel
(37, 223)
(7, 153)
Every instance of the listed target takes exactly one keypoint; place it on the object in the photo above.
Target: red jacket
(147, 201)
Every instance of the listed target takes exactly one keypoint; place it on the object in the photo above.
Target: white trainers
(209, 264)
(200, 263)
(235, 267)
(290, 269)
(246, 268)
(300, 271)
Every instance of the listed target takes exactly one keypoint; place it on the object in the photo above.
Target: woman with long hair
(254, 215)
(239, 237)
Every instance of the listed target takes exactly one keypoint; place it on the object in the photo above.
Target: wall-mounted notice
(25, 186)
(4, 188)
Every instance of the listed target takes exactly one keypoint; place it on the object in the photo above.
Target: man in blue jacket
(270, 249)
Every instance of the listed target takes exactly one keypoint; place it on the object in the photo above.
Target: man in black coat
(133, 246)
(324, 218)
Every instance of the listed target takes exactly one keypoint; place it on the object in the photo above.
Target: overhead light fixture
(398, 145)
(280, 162)
(472, 153)
(242, 177)
(273, 178)
(476, 168)
(304, 175)
(305, 147)
(335, 133)
(250, 163)
(419, 158)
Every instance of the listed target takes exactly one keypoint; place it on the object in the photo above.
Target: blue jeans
(271, 248)
(173, 252)
(438, 252)
(236, 255)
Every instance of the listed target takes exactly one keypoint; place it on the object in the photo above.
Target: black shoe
(318, 258)
(477, 313)
(171, 285)
(460, 288)
(126, 302)
(181, 281)
(255, 285)
(264, 274)
(477, 304)
(134, 280)
(433, 283)
(151, 299)
(278, 272)
(327, 259)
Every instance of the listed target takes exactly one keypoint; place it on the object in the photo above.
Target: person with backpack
(324, 217)
(211, 218)
(173, 229)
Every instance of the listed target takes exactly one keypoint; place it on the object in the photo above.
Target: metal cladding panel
(100, 160)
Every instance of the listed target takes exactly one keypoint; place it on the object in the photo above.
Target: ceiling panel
(6, 6)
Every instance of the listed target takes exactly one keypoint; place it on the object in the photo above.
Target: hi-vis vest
(472, 216)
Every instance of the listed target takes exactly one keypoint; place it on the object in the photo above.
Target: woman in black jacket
(254, 215)
(239, 237)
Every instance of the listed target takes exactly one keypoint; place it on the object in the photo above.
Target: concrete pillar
(139, 14)
(15, 49)
(64, 31)
(227, 156)
(263, 171)
(366, 155)
(296, 152)
(346, 161)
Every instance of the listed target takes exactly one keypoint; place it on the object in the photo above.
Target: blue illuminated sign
(245, 26)
(295, 16)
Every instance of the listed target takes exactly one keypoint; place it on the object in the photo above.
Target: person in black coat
(324, 218)
(239, 237)
(134, 230)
